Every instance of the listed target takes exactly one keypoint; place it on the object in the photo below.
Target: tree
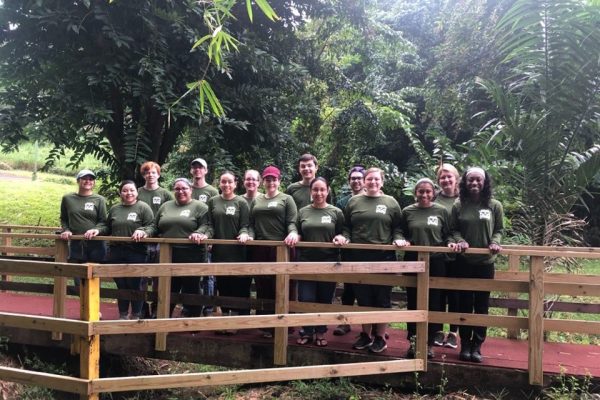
(105, 78)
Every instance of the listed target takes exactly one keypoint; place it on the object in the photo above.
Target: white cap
(85, 172)
(200, 161)
(475, 171)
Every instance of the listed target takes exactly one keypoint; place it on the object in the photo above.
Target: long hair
(486, 192)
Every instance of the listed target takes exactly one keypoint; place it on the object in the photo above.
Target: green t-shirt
(300, 193)
(374, 220)
(81, 213)
(343, 201)
(123, 220)
(204, 193)
(479, 225)
(319, 225)
(179, 221)
(426, 226)
(228, 219)
(274, 218)
(446, 201)
(154, 198)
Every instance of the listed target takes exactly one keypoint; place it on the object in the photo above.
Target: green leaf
(249, 9)
(267, 10)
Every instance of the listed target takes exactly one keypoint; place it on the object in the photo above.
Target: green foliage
(566, 387)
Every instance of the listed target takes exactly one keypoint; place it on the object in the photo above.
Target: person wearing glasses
(251, 184)
(356, 181)
(184, 217)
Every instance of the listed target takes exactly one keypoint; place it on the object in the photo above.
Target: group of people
(459, 212)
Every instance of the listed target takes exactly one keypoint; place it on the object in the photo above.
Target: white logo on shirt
(230, 211)
(203, 198)
(272, 204)
(89, 207)
(131, 216)
(485, 214)
(156, 200)
(326, 219)
(432, 221)
(381, 209)
(185, 213)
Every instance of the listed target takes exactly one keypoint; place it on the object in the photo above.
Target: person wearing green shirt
(372, 218)
(318, 222)
(131, 218)
(476, 220)
(251, 184)
(155, 196)
(229, 216)
(80, 214)
(425, 223)
(447, 180)
(356, 181)
(184, 217)
(203, 191)
(300, 191)
(272, 217)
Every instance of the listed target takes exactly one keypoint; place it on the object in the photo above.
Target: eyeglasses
(251, 180)
(181, 189)
(356, 178)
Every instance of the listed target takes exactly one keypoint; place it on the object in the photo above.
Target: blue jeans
(124, 255)
(315, 292)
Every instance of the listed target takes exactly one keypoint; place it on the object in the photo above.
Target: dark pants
(471, 301)
(372, 295)
(265, 284)
(348, 295)
(83, 251)
(450, 297)
(235, 286)
(187, 284)
(437, 267)
(125, 255)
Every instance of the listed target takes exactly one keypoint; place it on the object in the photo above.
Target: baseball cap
(85, 172)
(271, 170)
(200, 161)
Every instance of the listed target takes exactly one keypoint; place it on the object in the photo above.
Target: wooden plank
(422, 304)
(51, 381)
(253, 376)
(282, 306)
(163, 306)
(302, 307)
(89, 357)
(9, 227)
(116, 327)
(497, 285)
(42, 323)
(37, 250)
(536, 321)
(514, 262)
(571, 325)
(43, 268)
(387, 280)
(60, 285)
(234, 269)
(501, 321)
(572, 289)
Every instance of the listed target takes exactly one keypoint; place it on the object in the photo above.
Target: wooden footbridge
(44, 314)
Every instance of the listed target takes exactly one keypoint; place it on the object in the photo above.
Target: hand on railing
(495, 248)
(139, 235)
(459, 247)
(291, 239)
(90, 233)
(243, 238)
(340, 240)
(66, 235)
(197, 237)
(402, 243)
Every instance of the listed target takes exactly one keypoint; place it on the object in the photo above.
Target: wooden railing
(87, 331)
(535, 283)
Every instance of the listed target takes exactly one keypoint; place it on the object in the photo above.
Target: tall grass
(32, 158)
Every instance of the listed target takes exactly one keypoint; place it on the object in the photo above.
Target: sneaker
(379, 345)
(363, 342)
(438, 338)
(430, 353)
(341, 330)
(451, 341)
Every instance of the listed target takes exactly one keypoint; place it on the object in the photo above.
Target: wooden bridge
(53, 320)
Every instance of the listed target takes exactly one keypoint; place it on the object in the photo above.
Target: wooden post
(536, 320)
(163, 304)
(513, 265)
(422, 304)
(60, 285)
(282, 306)
(6, 241)
(89, 357)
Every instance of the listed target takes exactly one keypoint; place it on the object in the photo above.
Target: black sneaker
(379, 345)
(438, 338)
(364, 341)
(451, 340)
